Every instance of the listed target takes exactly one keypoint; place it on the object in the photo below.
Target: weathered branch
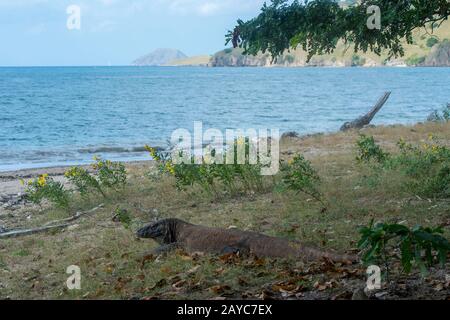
(367, 118)
(26, 232)
(77, 216)
(53, 225)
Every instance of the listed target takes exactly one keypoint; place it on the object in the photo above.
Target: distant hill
(426, 50)
(159, 57)
(199, 61)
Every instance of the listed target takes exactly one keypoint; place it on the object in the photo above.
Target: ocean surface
(63, 116)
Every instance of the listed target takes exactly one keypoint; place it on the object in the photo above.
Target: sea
(53, 116)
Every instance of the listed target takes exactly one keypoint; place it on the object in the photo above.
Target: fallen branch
(77, 216)
(52, 225)
(26, 232)
(367, 118)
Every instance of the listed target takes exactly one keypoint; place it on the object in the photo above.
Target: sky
(113, 32)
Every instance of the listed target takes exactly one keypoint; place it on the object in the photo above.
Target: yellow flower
(170, 168)
(241, 141)
(430, 137)
(22, 182)
(42, 181)
(152, 152)
(71, 173)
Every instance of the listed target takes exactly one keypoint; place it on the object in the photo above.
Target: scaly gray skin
(163, 232)
(174, 233)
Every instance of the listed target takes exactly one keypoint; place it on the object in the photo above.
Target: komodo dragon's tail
(313, 254)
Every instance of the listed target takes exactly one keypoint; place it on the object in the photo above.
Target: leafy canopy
(317, 26)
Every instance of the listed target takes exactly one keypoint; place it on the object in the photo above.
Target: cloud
(37, 29)
(21, 3)
(180, 7)
(211, 7)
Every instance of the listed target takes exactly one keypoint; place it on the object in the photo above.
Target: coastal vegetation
(357, 192)
(318, 26)
(429, 47)
(106, 175)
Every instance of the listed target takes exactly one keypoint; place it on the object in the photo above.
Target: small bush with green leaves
(432, 41)
(419, 247)
(415, 60)
(107, 175)
(83, 181)
(426, 167)
(123, 216)
(110, 174)
(299, 175)
(234, 178)
(368, 150)
(45, 187)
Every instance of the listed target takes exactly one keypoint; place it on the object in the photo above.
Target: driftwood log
(367, 118)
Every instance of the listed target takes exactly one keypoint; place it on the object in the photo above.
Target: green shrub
(415, 60)
(123, 216)
(84, 182)
(425, 167)
(357, 60)
(299, 175)
(421, 247)
(107, 175)
(234, 178)
(289, 58)
(368, 150)
(110, 174)
(44, 187)
(432, 41)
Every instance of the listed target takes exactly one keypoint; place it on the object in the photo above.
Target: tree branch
(53, 225)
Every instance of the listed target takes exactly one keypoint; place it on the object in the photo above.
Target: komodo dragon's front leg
(241, 247)
(166, 248)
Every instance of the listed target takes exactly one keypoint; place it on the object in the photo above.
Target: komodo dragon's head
(163, 231)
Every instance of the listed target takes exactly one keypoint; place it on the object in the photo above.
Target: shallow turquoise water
(53, 116)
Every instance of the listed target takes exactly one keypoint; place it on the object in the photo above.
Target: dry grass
(113, 261)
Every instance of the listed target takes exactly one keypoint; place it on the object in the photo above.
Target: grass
(115, 265)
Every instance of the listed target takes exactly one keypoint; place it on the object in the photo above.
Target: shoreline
(11, 189)
(55, 170)
(10, 185)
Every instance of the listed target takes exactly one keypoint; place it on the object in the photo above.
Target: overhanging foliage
(317, 26)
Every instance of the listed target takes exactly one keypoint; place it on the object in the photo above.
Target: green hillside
(191, 61)
(415, 54)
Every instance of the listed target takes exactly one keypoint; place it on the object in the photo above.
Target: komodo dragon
(174, 233)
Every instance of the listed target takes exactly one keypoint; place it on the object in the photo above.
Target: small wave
(114, 150)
